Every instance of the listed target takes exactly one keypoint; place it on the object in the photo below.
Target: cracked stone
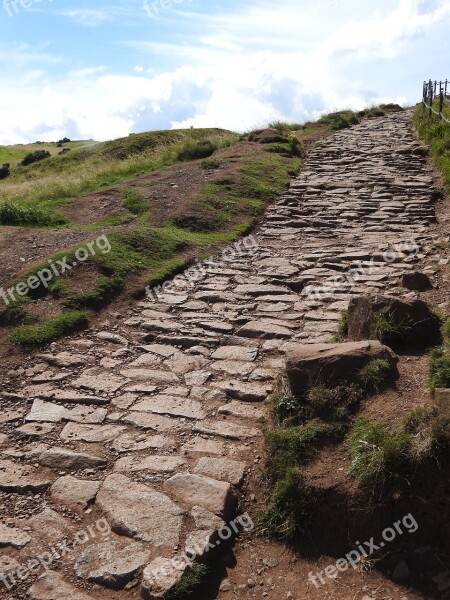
(13, 537)
(197, 490)
(169, 405)
(70, 491)
(22, 479)
(221, 468)
(156, 464)
(62, 458)
(137, 510)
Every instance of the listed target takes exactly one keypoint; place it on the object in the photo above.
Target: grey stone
(226, 429)
(221, 468)
(13, 537)
(22, 479)
(100, 382)
(249, 392)
(196, 490)
(136, 510)
(90, 433)
(308, 364)
(264, 331)
(159, 577)
(173, 406)
(155, 464)
(52, 586)
(112, 563)
(70, 491)
(48, 412)
(62, 458)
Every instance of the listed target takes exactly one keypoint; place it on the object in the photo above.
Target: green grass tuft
(15, 214)
(192, 578)
(39, 335)
(134, 203)
(379, 459)
(388, 330)
(374, 375)
(439, 368)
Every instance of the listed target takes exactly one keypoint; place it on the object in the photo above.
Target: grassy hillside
(15, 154)
(436, 133)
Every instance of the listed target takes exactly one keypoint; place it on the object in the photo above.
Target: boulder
(415, 323)
(416, 281)
(267, 136)
(332, 364)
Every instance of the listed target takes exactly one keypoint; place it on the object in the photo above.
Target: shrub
(379, 458)
(339, 120)
(192, 150)
(342, 330)
(4, 171)
(375, 374)
(35, 156)
(39, 335)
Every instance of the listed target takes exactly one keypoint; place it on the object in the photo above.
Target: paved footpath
(152, 424)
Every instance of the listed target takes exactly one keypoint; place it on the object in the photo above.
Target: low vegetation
(45, 333)
(192, 578)
(436, 133)
(439, 362)
(389, 329)
(12, 213)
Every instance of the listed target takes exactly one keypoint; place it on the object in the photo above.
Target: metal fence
(436, 94)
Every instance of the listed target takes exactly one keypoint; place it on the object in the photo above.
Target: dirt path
(154, 421)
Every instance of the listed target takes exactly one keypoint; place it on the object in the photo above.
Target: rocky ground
(152, 424)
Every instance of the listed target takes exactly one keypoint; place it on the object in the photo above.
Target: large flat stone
(150, 375)
(93, 434)
(112, 563)
(197, 490)
(157, 423)
(226, 430)
(70, 491)
(249, 392)
(138, 511)
(13, 537)
(243, 353)
(264, 331)
(224, 469)
(244, 410)
(173, 406)
(155, 464)
(22, 479)
(47, 412)
(309, 364)
(62, 458)
(52, 586)
(101, 382)
(159, 577)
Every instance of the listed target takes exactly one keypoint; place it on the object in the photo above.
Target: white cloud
(87, 17)
(236, 69)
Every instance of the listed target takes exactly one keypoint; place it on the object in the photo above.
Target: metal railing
(436, 93)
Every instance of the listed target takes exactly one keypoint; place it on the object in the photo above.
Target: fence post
(441, 100)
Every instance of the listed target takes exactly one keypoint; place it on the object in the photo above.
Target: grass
(58, 180)
(334, 404)
(429, 427)
(45, 333)
(12, 213)
(339, 120)
(291, 500)
(380, 459)
(192, 578)
(436, 133)
(134, 203)
(374, 375)
(222, 202)
(388, 329)
(342, 330)
(439, 361)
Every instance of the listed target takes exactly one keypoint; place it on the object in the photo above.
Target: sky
(95, 70)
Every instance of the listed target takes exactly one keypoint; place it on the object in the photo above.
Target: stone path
(152, 424)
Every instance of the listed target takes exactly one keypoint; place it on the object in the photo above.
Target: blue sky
(97, 70)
